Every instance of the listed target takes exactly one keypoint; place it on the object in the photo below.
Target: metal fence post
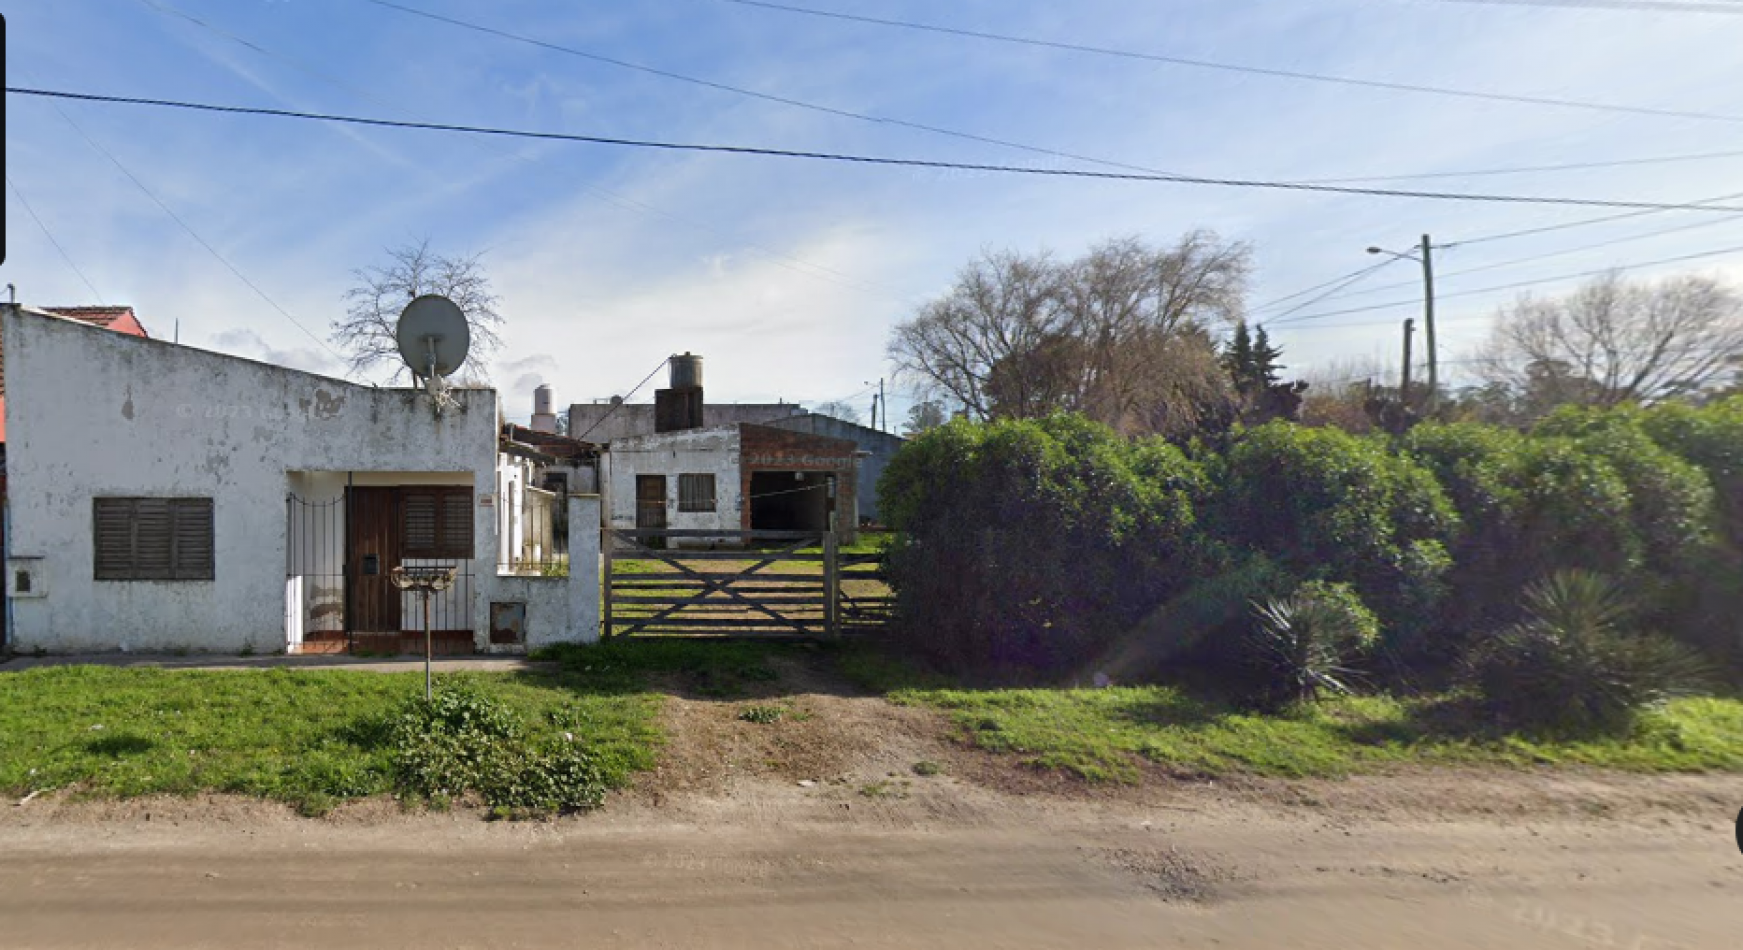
(605, 547)
(832, 571)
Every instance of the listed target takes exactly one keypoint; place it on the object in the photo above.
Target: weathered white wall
(671, 454)
(558, 609)
(91, 413)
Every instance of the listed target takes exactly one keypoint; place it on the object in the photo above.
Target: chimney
(544, 420)
(680, 406)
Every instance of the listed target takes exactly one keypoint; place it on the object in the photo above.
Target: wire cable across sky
(1241, 68)
(1392, 305)
(770, 152)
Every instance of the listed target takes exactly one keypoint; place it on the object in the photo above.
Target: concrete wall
(880, 448)
(93, 413)
(712, 450)
(630, 420)
(561, 610)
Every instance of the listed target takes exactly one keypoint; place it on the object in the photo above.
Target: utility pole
(1426, 257)
(885, 402)
(1428, 321)
(1404, 384)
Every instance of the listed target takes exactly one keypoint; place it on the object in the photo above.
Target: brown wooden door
(375, 550)
(650, 506)
(650, 501)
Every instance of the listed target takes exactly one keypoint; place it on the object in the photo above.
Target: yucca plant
(1575, 664)
(1302, 644)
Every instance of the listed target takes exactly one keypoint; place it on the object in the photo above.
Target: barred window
(438, 523)
(152, 539)
(696, 492)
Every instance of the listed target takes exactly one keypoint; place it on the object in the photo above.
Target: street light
(1427, 261)
(877, 401)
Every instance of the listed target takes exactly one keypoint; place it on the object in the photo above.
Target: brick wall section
(765, 449)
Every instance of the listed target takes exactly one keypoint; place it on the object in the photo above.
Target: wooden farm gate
(744, 583)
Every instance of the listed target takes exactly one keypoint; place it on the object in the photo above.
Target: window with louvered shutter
(437, 523)
(191, 520)
(421, 513)
(152, 539)
(456, 537)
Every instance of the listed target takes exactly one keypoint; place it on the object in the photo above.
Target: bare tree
(923, 416)
(1339, 392)
(366, 333)
(1004, 306)
(838, 409)
(1121, 334)
(1612, 341)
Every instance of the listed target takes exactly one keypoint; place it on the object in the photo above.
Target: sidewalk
(395, 664)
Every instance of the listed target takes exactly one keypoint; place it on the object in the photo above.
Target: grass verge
(1105, 734)
(308, 737)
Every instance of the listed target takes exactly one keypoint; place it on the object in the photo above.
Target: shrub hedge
(1053, 544)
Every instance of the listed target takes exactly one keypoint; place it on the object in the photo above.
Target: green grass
(1105, 734)
(309, 737)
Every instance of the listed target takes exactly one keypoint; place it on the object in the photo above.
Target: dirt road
(826, 867)
(823, 834)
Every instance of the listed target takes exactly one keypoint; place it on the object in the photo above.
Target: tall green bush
(1534, 504)
(1031, 543)
(1671, 501)
(1328, 505)
(1711, 438)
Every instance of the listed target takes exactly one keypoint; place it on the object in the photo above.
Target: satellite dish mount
(433, 339)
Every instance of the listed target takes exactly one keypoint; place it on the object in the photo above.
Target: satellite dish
(433, 336)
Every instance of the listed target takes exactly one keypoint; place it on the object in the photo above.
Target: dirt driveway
(821, 834)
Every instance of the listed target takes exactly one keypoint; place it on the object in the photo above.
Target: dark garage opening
(789, 501)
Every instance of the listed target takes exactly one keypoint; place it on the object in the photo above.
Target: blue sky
(788, 275)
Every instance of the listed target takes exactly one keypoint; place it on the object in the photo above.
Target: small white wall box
(25, 578)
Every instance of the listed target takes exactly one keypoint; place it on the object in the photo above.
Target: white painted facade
(714, 451)
(91, 413)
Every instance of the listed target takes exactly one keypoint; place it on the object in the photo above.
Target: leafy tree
(366, 332)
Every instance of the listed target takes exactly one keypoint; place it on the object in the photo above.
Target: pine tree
(1237, 359)
(1265, 366)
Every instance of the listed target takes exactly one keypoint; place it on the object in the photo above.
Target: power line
(1513, 286)
(1354, 278)
(1667, 6)
(197, 238)
(879, 160)
(1241, 68)
(606, 195)
(752, 93)
(626, 397)
(1516, 262)
(1531, 169)
(1302, 293)
(1583, 222)
(96, 296)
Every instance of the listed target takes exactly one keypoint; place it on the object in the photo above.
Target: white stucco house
(162, 497)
